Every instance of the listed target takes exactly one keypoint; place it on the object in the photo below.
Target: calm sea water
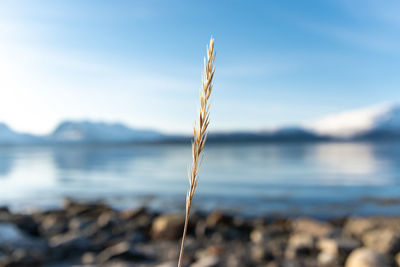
(318, 179)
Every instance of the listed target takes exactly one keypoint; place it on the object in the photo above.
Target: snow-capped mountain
(9, 136)
(369, 122)
(95, 132)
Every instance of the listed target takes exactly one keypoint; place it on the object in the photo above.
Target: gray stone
(397, 259)
(70, 241)
(338, 246)
(335, 250)
(263, 235)
(382, 240)
(328, 259)
(26, 223)
(23, 257)
(121, 251)
(313, 228)
(259, 236)
(88, 258)
(89, 210)
(356, 227)
(218, 218)
(208, 261)
(78, 224)
(107, 219)
(167, 264)
(366, 257)
(233, 260)
(132, 214)
(53, 224)
(168, 226)
(300, 245)
(261, 254)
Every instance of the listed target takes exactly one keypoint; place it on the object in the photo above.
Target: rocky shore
(94, 234)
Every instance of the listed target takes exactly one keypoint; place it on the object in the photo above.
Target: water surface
(318, 179)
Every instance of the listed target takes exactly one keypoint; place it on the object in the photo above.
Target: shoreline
(95, 234)
(246, 207)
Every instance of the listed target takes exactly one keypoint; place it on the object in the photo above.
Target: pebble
(382, 240)
(121, 251)
(168, 226)
(300, 245)
(209, 261)
(94, 234)
(366, 257)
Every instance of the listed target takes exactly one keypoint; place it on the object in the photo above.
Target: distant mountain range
(69, 132)
(100, 132)
(8, 136)
(375, 123)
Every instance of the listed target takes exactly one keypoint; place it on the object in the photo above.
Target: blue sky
(140, 62)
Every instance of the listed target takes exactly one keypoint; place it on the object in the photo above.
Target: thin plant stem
(183, 239)
(199, 137)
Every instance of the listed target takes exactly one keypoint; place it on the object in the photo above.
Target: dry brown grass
(200, 136)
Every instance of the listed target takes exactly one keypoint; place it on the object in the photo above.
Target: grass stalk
(199, 136)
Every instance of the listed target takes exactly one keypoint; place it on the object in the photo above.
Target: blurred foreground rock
(94, 234)
(366, 257)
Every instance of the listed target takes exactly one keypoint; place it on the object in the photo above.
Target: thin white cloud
(368, 25)
(380, 12)
(365, 38)
(374, 41)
